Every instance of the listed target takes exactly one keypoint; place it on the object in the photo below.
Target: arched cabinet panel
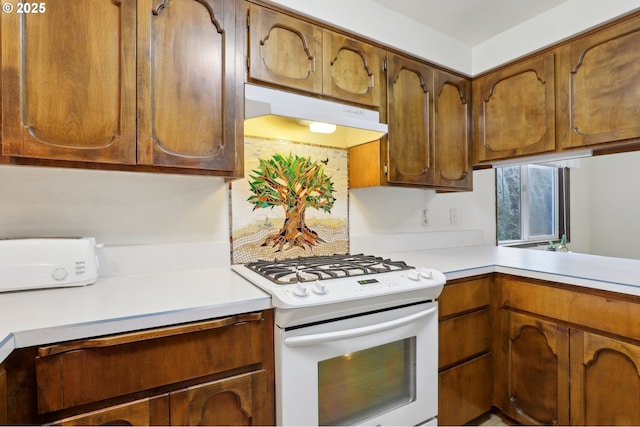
(185, 118)
(69, 82)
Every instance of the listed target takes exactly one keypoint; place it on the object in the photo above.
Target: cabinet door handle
(304, 340)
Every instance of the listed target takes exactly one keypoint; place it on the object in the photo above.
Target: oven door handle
(303, 340)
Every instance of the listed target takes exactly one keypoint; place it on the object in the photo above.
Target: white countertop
(591, 271)
(123, 303)
(130, 302)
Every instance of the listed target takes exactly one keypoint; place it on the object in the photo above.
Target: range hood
(277, 114)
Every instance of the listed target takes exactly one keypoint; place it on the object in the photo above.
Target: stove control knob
(300, 291)
(413, 275)
(319, 288)
(426, 274)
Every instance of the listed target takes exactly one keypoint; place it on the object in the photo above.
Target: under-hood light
(321, 127)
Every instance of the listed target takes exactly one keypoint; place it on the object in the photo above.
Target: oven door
(378, 368)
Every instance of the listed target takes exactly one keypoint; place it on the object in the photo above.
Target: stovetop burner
(307, 269)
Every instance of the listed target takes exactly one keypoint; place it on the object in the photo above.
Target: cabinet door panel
(537, 371)
(232, 401)
(187, 94)
(462, 337)
(353, 69)
(410, 114)
(465, 391)
(152, 411)
(69, 82)
(602, 83)
(515, 109)
(605, 380)
(284, 50)
(452, 131)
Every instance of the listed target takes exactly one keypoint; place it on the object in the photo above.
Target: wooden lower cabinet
(605, 380)
(238, 400)
(465, 358)
(151, 411)
(535, 377)
(214, 372)
(3, 396)
(465, 391)
(568, 355)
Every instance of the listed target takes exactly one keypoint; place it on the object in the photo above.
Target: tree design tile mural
(292, 202)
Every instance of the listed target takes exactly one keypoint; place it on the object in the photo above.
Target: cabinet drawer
(605, 311)
(465, 391)
(80, 372)
(463, 337)
(465, 296)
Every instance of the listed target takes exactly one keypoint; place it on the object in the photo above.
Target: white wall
(118, 208)
(379, 23)
(605, 214)
(559, 23)
(391, 218)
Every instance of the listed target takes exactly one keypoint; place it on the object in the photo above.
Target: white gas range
(356, 339)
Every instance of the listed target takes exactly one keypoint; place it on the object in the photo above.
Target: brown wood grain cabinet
(410, 117)
(190, 94)
(296, 54)
(429, 140)
(452, 133)
(3, 396)
(605, 380)
(149, 83)
(70, 94)
(568, 355)
(598, 87)
(213, 372)
(465, 350)
(514, 109)
(535, 388)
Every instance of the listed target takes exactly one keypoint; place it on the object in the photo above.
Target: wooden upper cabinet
(284, 50)
(153, 82)
(69, 82)
(352, 69)
(515, 110)
(599, 88)
(188, 93)
(452, 131)
(293, 53)
(410, 114)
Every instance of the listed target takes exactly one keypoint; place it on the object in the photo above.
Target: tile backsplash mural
(292, 202)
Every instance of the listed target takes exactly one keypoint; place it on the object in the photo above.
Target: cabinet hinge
(248, 63)
(248, 21)
(384, 65)
(385, 170)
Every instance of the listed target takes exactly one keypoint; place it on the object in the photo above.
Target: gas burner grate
(307, 269)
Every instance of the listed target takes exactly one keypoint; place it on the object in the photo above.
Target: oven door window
(357, 386)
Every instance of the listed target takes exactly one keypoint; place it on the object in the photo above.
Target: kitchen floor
(491, 420)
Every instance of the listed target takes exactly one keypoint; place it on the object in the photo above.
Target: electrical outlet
(425, 217)
(453, 216)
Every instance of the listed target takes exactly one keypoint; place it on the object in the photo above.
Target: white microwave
(37, 263)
